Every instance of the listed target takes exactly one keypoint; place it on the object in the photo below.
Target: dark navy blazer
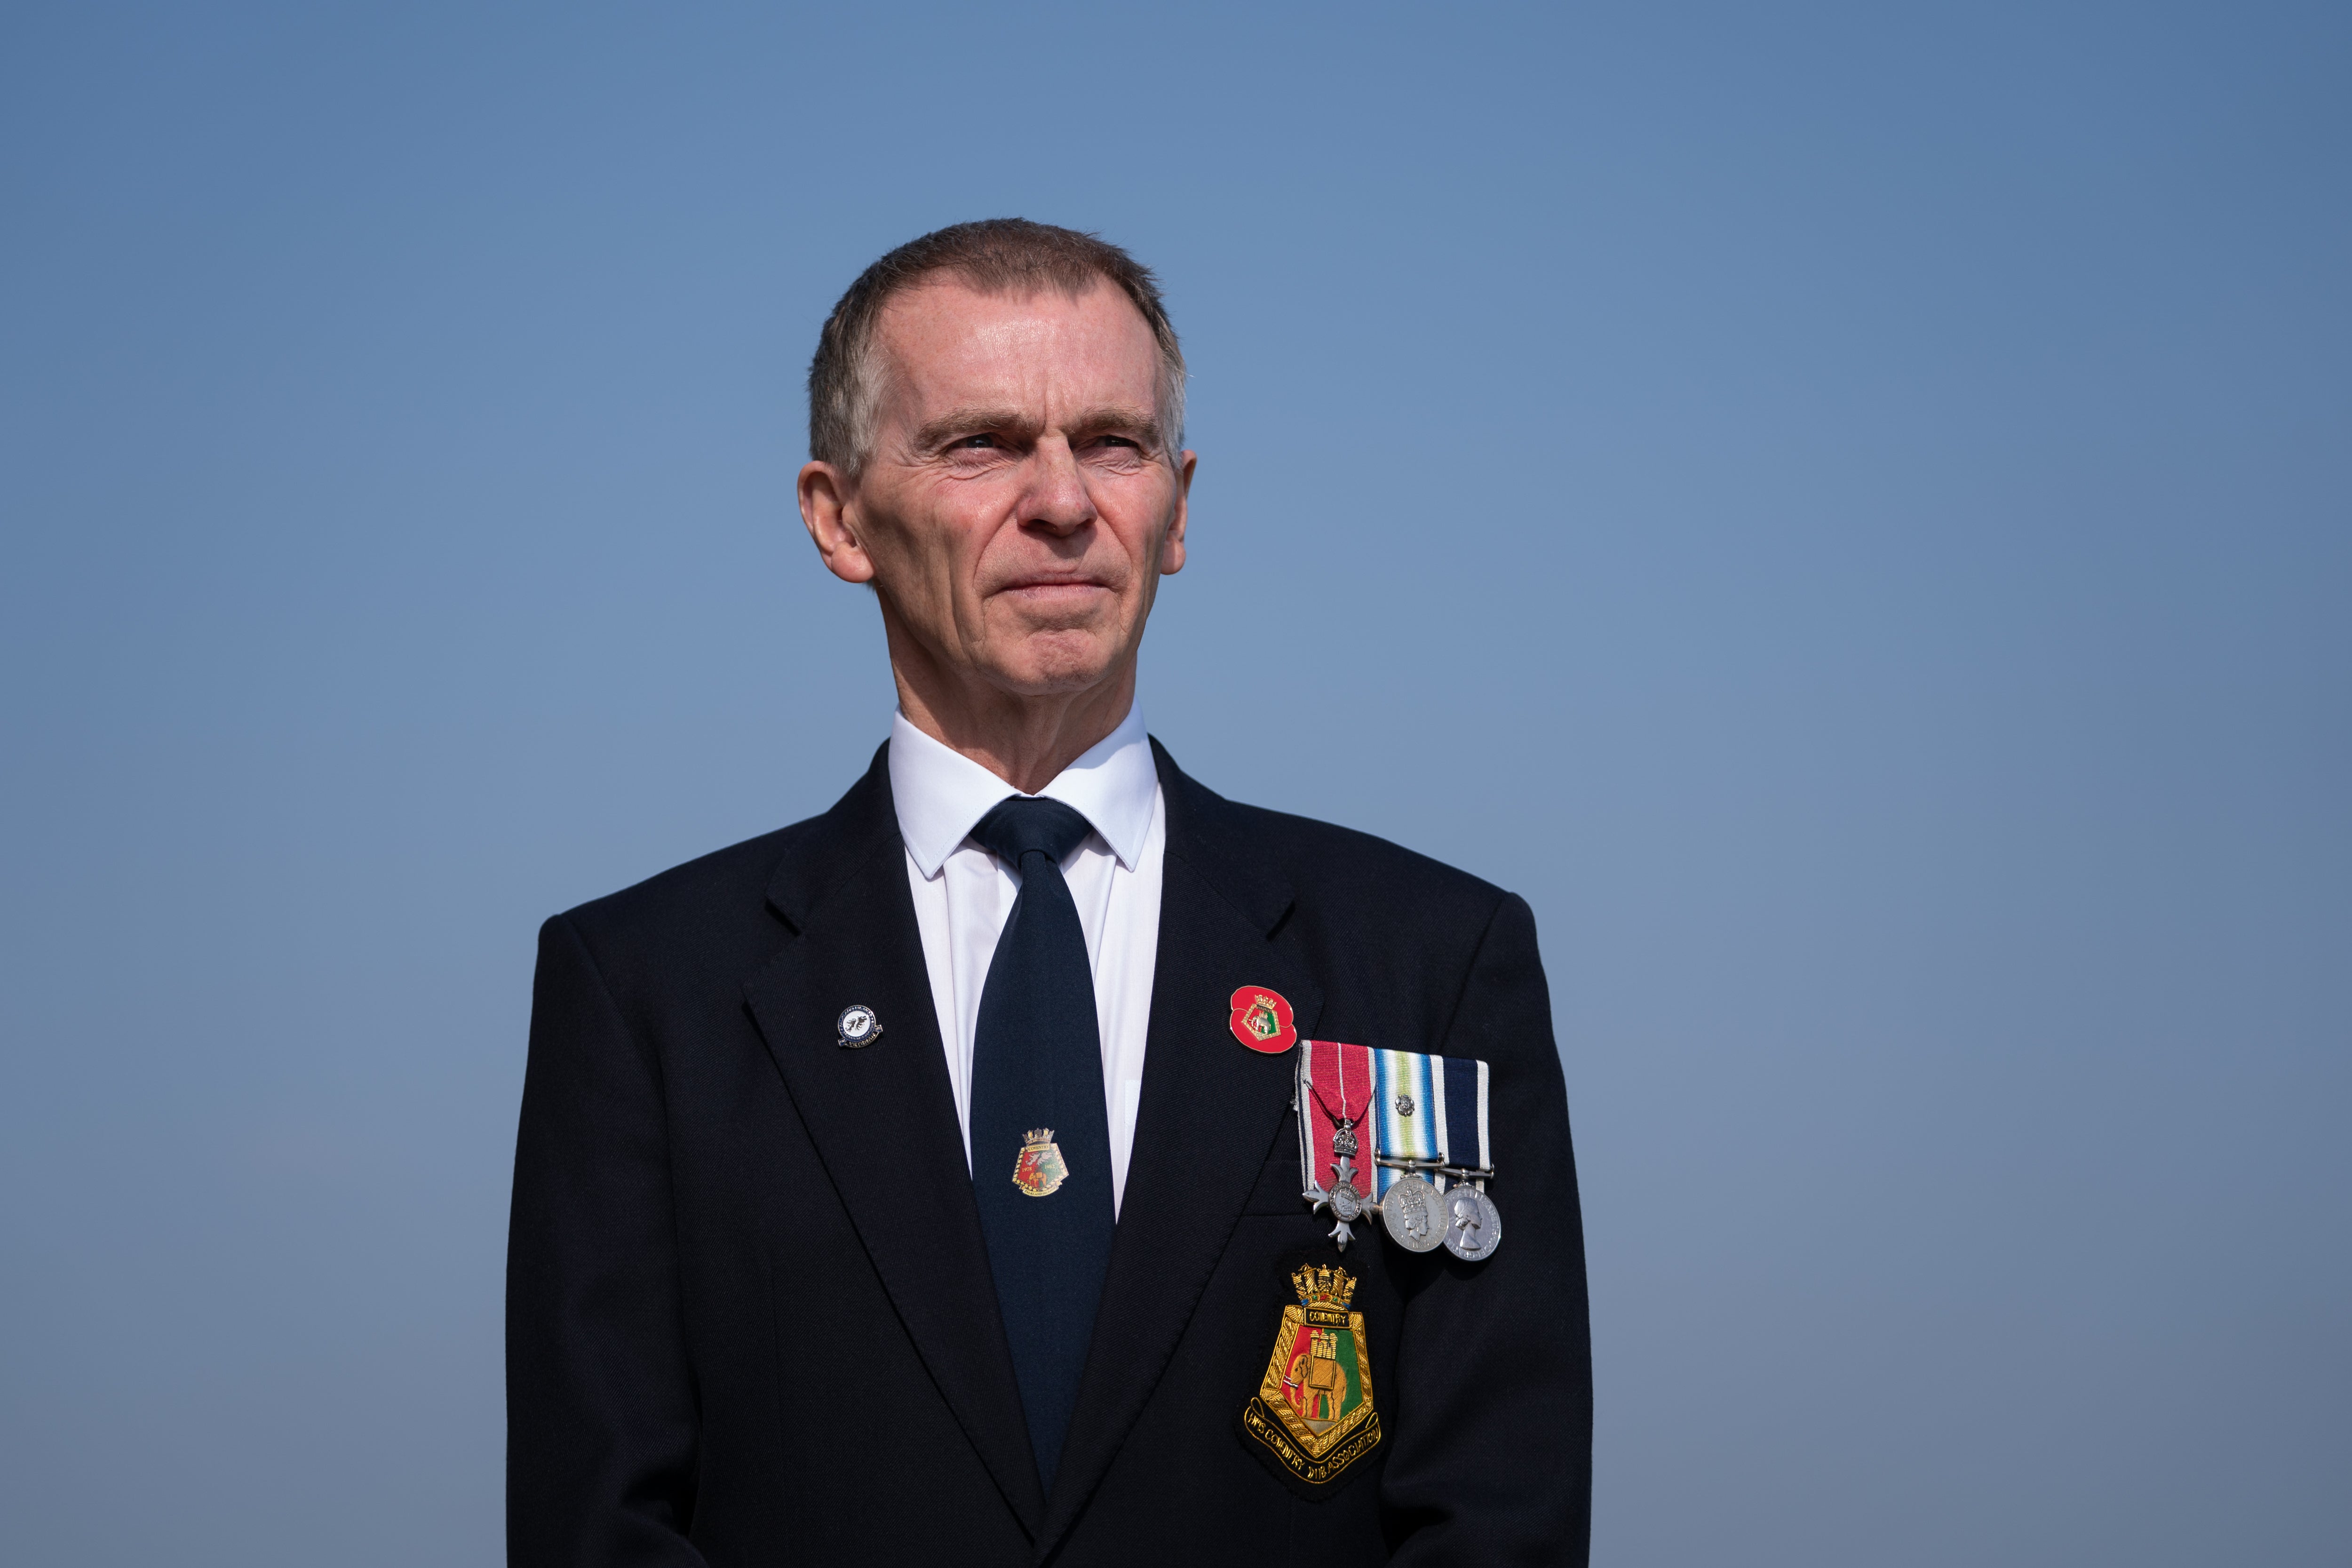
(749, 1312)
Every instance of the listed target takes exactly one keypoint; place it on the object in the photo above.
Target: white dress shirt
(963, 895)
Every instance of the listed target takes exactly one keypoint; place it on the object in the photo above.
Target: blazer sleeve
(1493, 1461)
(601, 1404)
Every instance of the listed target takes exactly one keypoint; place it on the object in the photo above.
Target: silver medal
(1345, 1203)
(1415, 1213)
(1473, 1228)
(857, 1027)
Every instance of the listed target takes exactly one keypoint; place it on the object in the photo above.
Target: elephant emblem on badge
(1321, 1380)
(1312, 1416)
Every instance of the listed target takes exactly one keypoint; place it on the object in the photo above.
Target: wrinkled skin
(1015, 514)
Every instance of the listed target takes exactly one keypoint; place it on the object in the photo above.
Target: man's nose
(1058, 499)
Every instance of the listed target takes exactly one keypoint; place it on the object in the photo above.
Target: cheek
(1137, 514)
(941, 537)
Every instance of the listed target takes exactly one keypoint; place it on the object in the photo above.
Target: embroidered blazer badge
(1312, 1417)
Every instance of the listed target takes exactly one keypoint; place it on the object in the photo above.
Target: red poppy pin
(1261, 1020)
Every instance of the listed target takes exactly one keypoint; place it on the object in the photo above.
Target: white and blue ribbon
(1407, 1103)
(1430, 1114)
(1462, 1114)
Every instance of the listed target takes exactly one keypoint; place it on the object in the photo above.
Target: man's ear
(1172, 549)
(828, 511)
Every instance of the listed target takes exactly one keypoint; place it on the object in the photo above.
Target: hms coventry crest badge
(1312, 1417)
(1038, 1170)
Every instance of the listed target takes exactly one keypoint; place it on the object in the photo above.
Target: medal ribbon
(1407, 1104)
(1448, 1123)
(1462, 1114)
(1339, 1081)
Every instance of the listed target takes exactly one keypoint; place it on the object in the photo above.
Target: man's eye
(974, 444)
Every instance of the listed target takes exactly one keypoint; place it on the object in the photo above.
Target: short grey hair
(995, 256)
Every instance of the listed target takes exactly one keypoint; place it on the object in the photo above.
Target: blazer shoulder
(748, 885)
(1314, 851)
(1335, 869)
(724, 884)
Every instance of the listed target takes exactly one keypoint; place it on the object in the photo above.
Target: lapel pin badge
(1261, 1020)
(859, 1026)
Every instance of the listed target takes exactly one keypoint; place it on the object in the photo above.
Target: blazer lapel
(1211, 1111)
(883, 1117)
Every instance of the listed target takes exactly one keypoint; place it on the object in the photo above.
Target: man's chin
(1059, 664)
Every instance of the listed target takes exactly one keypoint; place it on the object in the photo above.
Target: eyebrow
(972, 421)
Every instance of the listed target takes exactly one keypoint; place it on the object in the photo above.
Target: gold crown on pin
(1038, 1135)
(1322, 1285)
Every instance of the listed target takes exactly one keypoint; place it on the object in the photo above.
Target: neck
(1024, 740)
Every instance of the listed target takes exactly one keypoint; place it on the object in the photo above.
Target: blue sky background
(1848, 509)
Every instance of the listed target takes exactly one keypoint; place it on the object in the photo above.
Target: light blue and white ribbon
(1408, 1091)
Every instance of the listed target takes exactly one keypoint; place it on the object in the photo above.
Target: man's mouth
(1053, 590)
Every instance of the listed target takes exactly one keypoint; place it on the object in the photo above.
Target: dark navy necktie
(1040, 1139)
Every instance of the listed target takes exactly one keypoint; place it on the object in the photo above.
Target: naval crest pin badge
(1039, 1170)
(1261, 1020)
(857, 1027)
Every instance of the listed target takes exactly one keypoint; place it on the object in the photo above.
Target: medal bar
(1428, 1161)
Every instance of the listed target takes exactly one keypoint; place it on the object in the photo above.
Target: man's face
(1018, 507)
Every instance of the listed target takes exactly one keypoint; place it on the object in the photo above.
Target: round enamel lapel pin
(859, 1026)
(1261, 1020)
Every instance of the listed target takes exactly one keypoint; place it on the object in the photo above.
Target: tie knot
(1026, 825)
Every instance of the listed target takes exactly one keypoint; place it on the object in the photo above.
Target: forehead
(947, 344)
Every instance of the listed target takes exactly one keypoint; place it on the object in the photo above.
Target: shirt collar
(941, 794)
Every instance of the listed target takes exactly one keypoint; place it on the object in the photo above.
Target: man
(981, 1173)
